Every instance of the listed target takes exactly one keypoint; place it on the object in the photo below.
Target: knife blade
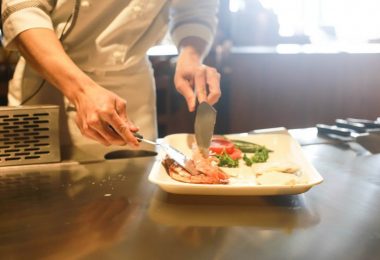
(204, 126)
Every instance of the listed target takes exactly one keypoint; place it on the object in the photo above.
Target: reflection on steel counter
(66, 211)
(288, 212)
(109, 210)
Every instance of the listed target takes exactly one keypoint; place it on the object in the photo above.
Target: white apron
(108, 40)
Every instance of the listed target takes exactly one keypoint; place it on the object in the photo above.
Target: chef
(89, 57)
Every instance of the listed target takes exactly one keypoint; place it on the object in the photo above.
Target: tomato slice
(219, 146)
(236, 154)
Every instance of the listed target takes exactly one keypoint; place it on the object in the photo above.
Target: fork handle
(140, 138)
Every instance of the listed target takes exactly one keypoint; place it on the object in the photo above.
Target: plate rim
(192, 187)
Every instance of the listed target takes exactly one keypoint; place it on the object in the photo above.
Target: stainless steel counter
(108, 210)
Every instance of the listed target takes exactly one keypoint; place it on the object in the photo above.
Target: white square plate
(284, 147)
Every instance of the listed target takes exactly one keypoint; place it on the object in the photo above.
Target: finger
(200, 84)
(103, 128)
(132, 127)
(213, 82)
(184, 87)
(121, 127)
(121, 109)
(89, 133)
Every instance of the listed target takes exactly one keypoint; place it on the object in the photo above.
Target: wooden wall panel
(300, 90)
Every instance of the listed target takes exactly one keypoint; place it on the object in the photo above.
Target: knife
(369, 124)
(205, 119)
(350, 125)
(359, 127)
(370, 141)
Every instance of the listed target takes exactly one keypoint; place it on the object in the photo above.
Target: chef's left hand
(196, 81)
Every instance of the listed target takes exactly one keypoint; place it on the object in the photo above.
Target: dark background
(262, 87)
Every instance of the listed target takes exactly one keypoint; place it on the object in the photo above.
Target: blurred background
(291, 63)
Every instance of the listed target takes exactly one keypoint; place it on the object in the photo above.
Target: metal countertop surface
(109, 210)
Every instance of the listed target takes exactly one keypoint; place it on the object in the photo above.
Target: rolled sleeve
(23, 16)
(193, 19)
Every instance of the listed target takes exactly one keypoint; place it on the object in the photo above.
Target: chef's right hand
(102, 116)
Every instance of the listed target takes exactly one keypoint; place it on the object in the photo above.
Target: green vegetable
(248, 147)
(261, 155)
(248, 161)
(226, 161)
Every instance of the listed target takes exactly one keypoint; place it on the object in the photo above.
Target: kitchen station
(87, 207)
(285, 164)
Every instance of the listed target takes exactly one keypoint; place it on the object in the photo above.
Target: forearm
(42, 49)
(101, 114)
(193, 48)
(193, 25)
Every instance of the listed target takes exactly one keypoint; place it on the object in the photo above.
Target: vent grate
(28, 135)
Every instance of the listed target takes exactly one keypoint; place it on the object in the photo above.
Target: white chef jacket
(107, 39)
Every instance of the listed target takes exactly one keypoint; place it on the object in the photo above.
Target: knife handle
(367, 123)
(357, 127)
(138, 136)
(328, 129)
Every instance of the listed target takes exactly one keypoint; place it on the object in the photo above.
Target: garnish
(226, 161)
(230, 151)
(260, 152)
(248, 161)
(248, 147)
(260, 156)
